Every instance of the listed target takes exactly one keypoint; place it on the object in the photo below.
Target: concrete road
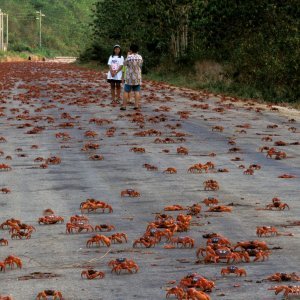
(37, 94)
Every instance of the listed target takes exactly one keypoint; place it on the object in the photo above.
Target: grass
(44, 52)
(187, 80)
(24, 54)
(217, 87)
(93, 65)
(12, 53)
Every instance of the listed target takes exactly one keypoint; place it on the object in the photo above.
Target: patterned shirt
(133, 75)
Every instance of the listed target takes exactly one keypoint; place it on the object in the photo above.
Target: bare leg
(137, 96)
(125, 98)
(118, 89)
(113, 94)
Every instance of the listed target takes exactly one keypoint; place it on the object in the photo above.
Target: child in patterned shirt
(133, 78)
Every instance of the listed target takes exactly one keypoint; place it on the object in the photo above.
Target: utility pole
(1, 30)
(39, 17)
(3, 46)
(6, 32)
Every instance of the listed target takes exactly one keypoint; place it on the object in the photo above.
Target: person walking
(133, 77)
(114, 75)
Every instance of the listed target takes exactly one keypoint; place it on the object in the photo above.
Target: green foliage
(260, 40)
(96, 52)
(65, 27)
(256, 41)
(145, 22)
(4, 54)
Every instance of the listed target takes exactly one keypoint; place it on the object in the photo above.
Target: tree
(257, 41)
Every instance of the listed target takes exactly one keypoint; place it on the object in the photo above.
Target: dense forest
(253, 42)
(65, 27)
(232, 44)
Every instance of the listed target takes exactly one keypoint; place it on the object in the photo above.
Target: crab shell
(222, 253)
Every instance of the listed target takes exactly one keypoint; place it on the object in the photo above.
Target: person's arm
(109, 61)
(112, 72)
(126, 60)
(123, 74)
(119, 69)
(141, 61)
(110, 69)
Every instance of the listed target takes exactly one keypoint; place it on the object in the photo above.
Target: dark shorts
(128, 88)
(114, 81)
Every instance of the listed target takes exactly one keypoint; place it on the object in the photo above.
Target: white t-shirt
(115, 62)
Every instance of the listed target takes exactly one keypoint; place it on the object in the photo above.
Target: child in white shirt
(114, 76)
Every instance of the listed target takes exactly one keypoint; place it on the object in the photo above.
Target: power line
(24, 18)
(20, 16)
(27, 14)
